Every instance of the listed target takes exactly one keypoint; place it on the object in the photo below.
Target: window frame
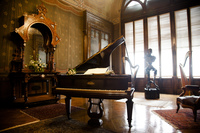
(174, 48)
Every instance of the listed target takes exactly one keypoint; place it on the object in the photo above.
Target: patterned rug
(59, 124)
(48, 111)
(182, 120)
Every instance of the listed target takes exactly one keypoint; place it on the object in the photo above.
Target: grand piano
(97, 86)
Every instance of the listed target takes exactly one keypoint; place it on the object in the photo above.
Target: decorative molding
(78, 6)
(65, 6)
(30, 20)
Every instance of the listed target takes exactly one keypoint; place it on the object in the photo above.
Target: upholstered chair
(190, 97)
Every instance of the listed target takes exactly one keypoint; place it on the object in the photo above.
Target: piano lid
(100, 59)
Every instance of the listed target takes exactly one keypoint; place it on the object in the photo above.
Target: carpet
(146, 102)
(48, 111)
(59, 124)
(22, 117)
(182, 120)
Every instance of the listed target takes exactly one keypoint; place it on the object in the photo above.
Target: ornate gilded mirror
(35, 47)
(40, 39)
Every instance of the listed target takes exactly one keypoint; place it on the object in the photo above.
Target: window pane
(181, 38)
(104, 40)
(166, 49)
(139, 47)
(94, 42)
(195, 28)
(153, 42)
(129, 45)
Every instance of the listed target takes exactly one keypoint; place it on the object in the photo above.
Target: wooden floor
(115, 115)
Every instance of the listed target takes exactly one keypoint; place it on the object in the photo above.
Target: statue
(149, 60)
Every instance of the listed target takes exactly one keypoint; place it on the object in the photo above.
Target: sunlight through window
(195, 27)
(133, 3)
(160, 41)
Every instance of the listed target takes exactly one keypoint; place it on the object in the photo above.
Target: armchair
(190, 97)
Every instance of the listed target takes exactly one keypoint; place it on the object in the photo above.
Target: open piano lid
(101, 59)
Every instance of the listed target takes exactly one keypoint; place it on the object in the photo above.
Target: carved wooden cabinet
(32, 87)
(33, 72)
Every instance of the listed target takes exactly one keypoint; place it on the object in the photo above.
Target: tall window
(182, 42)
(104, 40)
(134, 34)
(139, 46)
(129, 45)
(160, 27)
(94, 41)
(195, 29)
(181, 17)
(99, 40)
(166, 47)
(159, 40)
(153, 41)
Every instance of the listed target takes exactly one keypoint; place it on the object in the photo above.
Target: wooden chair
(190, 97)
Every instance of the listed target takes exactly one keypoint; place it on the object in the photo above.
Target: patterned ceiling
(107, 9)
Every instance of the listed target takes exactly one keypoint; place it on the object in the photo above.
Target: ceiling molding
(106, 9)
(65, 6)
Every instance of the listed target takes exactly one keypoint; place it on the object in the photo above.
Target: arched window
(169, 32)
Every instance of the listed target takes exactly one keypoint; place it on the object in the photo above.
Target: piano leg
(95, 117)
(129, 104)
(68, 106)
